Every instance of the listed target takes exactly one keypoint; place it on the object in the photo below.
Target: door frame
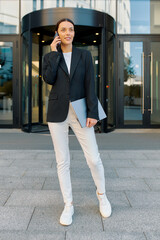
(146, 40)
(16, 84)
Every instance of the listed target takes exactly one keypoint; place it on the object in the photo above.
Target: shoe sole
(105, 216)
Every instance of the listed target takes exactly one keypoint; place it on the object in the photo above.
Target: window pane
(155, 83)
(9, 17)
(138, 16)
(108, 6)
(110, 87)
(25, 87)
(6, 74)
(35, 79)
(133, 88)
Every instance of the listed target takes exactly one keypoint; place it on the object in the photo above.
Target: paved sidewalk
(31, 202)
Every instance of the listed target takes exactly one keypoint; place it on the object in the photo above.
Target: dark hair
(63, 20)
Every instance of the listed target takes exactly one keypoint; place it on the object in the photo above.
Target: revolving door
(37, 32)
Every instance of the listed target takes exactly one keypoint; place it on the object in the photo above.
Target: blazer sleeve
(50, 65)
(92, 101)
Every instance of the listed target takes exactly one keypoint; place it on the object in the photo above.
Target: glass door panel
(6, 77)
(133, 80)
(35, 83)
(155, 83)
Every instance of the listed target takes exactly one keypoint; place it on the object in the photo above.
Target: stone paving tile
(152, 155)
(47, 219)
(84, 219)
(40, 172)
(127, 155)
(4, 195)
(133, 219)
(21, 182)
(34, 198)
(83, 196)
(15, 218)
(12, 171)
(5, 162)
(29, 163)
(104, 236)
(130, 184)
(117, 199)
(18, 155)
(144, 199)
(79, 165)
(77, 184)
(85, 173)
(19, 235)
(138, 172)
(45, 156)
(118, 163)
(125, 185)
(79, 155)
(104, 155)
(154, 184)
(76, 156)
(153, 235)
(147, 163)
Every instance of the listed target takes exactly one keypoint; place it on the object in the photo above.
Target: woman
(70, 72)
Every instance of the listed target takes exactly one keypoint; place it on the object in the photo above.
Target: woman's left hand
(91, 122)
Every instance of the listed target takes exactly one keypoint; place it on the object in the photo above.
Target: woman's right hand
(54, 43)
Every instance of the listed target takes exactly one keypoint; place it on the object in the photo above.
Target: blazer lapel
(62, 62)
(74, 61)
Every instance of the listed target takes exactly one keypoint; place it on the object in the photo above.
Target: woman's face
(66, 32)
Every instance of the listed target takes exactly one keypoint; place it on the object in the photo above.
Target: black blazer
(69, 87)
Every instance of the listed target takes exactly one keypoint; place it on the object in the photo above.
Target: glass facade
(110, 84)
(6, 75)
(9, 17)
(155, 83)
(25, 84)
(138, 17)
(132, 82)
(108, 6)
(35, 82)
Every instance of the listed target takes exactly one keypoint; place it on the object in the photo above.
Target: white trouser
(87, 140)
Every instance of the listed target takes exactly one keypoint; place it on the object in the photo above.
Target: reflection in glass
(108, 6)
(35, 82)
(133, 82)
(6, 75)
(95, 59)
(110, 87)
(45, 90)
(25, 86)
(139, 17)
(9, 16)
(155, 83)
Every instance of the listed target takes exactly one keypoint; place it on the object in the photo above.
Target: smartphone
(56, 34)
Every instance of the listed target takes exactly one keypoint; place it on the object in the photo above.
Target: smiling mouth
(68, 38)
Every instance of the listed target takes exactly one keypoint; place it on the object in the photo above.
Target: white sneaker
(104, 205)
(66, 216)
